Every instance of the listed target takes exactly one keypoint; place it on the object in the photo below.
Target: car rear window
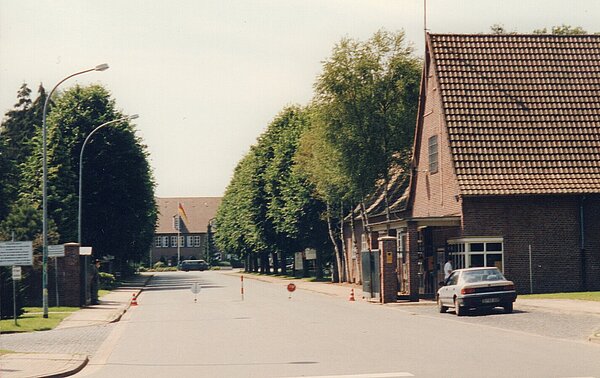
(482, 275)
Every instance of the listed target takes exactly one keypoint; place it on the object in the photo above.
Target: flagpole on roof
(178, 233)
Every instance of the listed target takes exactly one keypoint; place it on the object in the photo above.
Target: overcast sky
(207, 76)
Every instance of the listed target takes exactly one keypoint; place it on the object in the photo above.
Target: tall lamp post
(86, 262)
(100, 67)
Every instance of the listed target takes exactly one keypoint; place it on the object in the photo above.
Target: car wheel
(441, 307)
(460, 311)
(508, 308)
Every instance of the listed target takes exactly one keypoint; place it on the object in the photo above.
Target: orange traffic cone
(134, 300)
(351, 299)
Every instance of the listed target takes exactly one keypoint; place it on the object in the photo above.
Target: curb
(64, 365)
(128, 305)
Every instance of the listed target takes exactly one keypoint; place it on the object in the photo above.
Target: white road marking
(369, 375)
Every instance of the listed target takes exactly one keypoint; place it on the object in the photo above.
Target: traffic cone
(134, 300)
(351, 299)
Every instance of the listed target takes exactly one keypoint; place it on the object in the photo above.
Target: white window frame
(165, 241)
(157, 242)
(433, 153)
(173, 241)
(181, 241)
(464, 252)
(196, 240)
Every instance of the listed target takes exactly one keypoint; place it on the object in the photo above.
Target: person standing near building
(447, 268)
(95, 282)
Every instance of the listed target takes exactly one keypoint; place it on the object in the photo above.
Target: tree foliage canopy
(367, 98)
(119, 210)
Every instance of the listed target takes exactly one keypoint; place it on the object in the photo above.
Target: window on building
(189, 241)
(182, 241)
(433, 154)
(196, 240)
(165, 241)
(157, 241)
(476, 252)
(173, 241)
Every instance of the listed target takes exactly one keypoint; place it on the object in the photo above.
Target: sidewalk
(112, 306)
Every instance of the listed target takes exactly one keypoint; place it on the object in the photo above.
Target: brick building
(506, 164)
(193, 228)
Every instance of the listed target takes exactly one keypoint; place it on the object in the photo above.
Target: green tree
(291, 205)
(238, 226)
(562, 30)
(17, 131)
(119, 210)
(268, 207)
(367, 98)
(320, 163)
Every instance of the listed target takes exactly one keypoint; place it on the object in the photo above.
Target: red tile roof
(522, 111)
(199, 211)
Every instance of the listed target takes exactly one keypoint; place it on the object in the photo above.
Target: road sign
(16, 273)
(195, 287)
(16, 253)
(310, 254)
(56, 250)
(85, 251)
(291, 287)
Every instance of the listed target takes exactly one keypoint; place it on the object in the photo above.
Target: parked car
(187, 265)
(473, 288)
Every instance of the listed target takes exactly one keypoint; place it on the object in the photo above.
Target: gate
(371, 275)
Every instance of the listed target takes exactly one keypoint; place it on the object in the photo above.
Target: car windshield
(482, 275)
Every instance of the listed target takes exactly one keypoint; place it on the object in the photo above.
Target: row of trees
(119, 210)
(314, 163)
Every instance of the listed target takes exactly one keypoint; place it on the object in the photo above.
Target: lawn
(33, 320)
(584, 296)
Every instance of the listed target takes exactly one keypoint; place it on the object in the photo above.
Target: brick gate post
(70, 285)
(388, 264)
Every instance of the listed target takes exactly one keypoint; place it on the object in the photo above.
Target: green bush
(107, 281)
(159, 265)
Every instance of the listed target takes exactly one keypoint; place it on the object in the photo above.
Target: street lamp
(86, 262)
(100, 67)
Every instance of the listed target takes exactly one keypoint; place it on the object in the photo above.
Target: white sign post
(16, 253)
(310, 254)
(195, 289)
(16, 275)
(56, 250)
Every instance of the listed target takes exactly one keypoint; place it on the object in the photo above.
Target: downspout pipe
(582, 243)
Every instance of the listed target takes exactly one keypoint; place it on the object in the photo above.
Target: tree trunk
(357, 274)
(345, 264)
(335, 275)
(283, 262)
(319, 265)
(387, 205)
(275, 262)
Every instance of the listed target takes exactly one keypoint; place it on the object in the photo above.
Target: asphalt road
(270, 335)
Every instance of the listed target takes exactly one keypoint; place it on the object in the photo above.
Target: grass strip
(583, 296)
(33, 319)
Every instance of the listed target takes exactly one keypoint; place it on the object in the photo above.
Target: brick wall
(434, 193)
(551, 225)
